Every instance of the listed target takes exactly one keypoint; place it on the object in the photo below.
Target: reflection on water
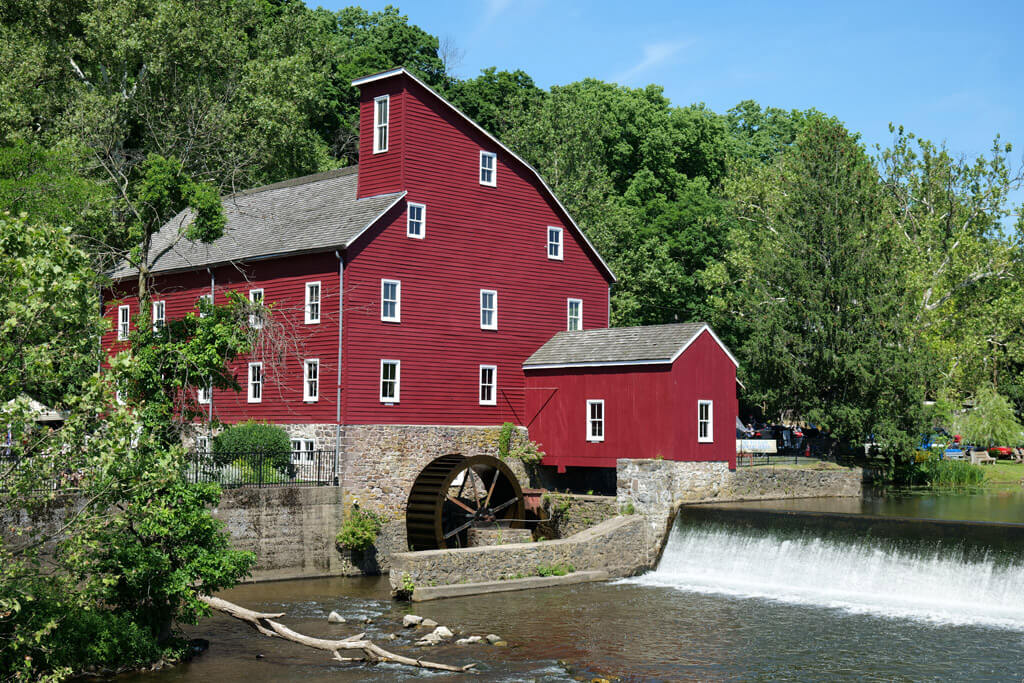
(715, 610)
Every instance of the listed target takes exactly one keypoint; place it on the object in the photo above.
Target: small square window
(390, 378)
(488, 309)
(488, 385)
(416, 221)
(255, 382)
(489, 169)
(311, 381)
(381, 117)
(554, 243)
(124, 322)
(391, 301)
(203, 394)
(705, 421)
(303, 451)
(575, 315)
(256, 303)
(312, 303)
(595, 420)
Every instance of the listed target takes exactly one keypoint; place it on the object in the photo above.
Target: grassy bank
(1003, 473)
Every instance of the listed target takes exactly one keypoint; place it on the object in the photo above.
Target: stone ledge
(463, 589)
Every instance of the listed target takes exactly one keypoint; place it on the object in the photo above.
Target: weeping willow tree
(992, 421)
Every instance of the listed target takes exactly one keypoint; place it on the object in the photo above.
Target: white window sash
(208, 299)
(574, 322)
(313, 296)
(394, 383)
(593, 422)
(256, 318)
(381, 124)
(488, 169)
(709, 422)
(124, 322)
(255, 383)
(488, 314)
(556, 253)
(203, 394)
(385, 301)
(311, 380)
(419, 223)
(492, 385)
(159, 309)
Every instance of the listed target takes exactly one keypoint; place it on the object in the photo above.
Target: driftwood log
(356, 647)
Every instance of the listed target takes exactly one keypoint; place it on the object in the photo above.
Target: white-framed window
(554, 243)
(203, 394)
(255, 382)
(489, 169)
(488, 309)
(124, 322)
(595, 420)
(312, 303)
(303, 451)
(488, 385)
(159, 314)
(390, 380)
(391, 301)
(205, 301)
(574, 315)
(416, 221)
(705, 425)
(381, 115)
(311, 380)
(119, 397)
(202, 444)
(256, 317)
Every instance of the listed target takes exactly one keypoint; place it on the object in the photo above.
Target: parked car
(1000, 451)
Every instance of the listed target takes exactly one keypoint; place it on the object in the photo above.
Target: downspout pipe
(337, 398)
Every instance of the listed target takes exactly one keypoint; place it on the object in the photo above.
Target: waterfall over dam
(925, 570)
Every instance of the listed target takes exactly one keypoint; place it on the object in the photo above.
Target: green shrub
(256, 439)
(359, 530)
(951, 473)
(505, 439)
(555, 569)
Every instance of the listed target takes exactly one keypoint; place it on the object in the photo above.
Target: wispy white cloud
(655, 54)
(493, 9)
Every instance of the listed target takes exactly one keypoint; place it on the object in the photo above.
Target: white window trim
(124, 322)
(204, 394)
(397, 318)
(250, 383)
(590, 435)
(494, 317)
(398, 381)
(306, 395)
(208, 298)
(255, 319)
(202, 444)
(306, 447)
(568, 314)
(423, 221)
(560, 256)
(494, 169)
(377, 124)
(494, 385)
(310, 320)
(710, 438)
(159, 320)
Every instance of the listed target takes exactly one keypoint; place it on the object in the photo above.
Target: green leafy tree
(495, 99)
(991, 421)
(823, 297)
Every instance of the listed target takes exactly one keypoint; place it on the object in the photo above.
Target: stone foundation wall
(618, 546)
(655, 488)
(568, 513)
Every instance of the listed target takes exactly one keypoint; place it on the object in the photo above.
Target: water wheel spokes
(447, 500)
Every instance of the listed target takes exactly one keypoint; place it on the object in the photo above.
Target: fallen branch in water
(264, 623)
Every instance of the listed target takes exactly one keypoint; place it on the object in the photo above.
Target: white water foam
(844, 575)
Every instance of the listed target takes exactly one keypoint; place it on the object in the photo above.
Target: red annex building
(416, 286)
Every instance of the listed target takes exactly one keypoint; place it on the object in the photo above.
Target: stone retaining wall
(618, 546)
(568, 513)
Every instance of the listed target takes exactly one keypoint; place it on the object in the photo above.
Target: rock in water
(392, 636)
(335, 618)
(443, 632)
(428, 623)
(492, 639)
(410, 620)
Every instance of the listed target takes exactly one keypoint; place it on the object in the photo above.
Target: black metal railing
(231, 470)
(749, 459)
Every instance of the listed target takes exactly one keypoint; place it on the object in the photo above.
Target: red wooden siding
(650, 410)
(382, 172)
(477, 237)
(284, 284)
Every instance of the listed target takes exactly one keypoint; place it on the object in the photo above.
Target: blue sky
(945, 70)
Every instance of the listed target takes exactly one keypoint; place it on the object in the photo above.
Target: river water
(726, 603)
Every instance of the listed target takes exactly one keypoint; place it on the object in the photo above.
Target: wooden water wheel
(456, 493)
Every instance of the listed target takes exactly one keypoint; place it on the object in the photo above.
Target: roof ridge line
(294, 182)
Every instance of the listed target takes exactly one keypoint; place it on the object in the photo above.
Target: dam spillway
(937, 571)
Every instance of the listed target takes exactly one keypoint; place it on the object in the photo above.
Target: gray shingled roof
(301, 215)
(648, 344)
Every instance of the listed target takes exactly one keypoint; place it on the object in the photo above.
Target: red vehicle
(1000, 451)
